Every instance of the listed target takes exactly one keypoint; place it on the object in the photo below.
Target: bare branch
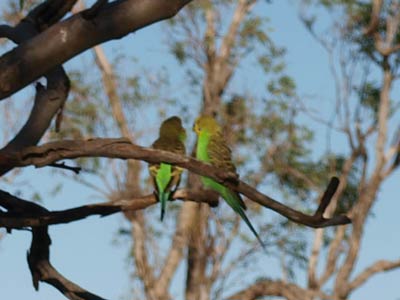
(64, 40)
(124, 149)
(26, 218)
(111, 86)
(179, 241)
(359, 212)
(279, 288)
(42, 270)
(319, 234)
(333, 254)
(144, 268)
(209, 36)
(38, 256)
(227, 44)
(374, 20)
(54, 95)
(316, 221)
(384, 106)
(377, 267)
(62, 165)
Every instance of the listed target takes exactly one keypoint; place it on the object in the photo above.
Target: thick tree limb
(53, 96)
(66, 39)
(122, 148)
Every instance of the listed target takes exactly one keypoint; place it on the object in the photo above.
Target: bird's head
(172, 127)
(206, 124)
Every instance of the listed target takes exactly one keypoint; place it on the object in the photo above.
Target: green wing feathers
(221, 157)
(212, 148)
(219, 153)
(167, 177)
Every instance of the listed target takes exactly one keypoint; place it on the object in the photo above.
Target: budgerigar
(166, 177)
(212, 148)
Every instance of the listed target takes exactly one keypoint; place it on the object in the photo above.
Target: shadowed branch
(21, 217)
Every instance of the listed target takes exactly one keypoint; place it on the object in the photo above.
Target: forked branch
(39, 253)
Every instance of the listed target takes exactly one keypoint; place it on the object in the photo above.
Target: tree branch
(179, 241)
(21, 218)
(379, 266)
(241, 11)
(122, 148)
(278, 288)
(53, 96)
(374, 20)
(38, 256)
(42, 270)
(333, 254)
(319, 233)
(66, 39)
(111, 89)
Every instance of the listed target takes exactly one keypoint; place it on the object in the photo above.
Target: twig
(62, 165)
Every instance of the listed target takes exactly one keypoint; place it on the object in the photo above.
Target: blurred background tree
(217, 45)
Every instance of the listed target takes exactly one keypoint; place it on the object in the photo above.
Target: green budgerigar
(212, 148)
(166, 177)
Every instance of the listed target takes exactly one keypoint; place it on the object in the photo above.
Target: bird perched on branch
(212, 148)
(166, 177)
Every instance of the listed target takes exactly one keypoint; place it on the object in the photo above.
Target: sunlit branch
(377, 267)
(122, 148)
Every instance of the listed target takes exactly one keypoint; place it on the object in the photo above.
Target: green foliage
(252, 32)
(369, 97)
(178, 50)
(284, 85)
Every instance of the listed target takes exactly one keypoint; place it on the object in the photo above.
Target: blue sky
(84, 251)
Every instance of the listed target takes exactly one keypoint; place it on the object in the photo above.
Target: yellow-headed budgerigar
(166, 177)
(212, 148)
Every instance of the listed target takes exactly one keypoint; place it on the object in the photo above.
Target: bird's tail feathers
(163, 198)
(232, 199)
